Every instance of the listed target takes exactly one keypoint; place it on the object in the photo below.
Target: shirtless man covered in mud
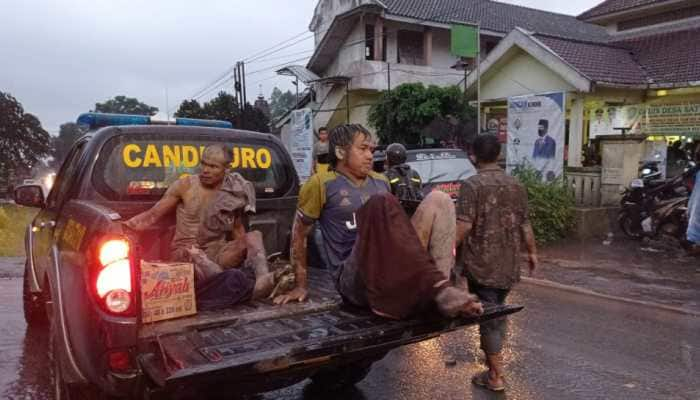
(220, 283)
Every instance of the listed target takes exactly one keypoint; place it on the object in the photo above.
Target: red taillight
(113, 281)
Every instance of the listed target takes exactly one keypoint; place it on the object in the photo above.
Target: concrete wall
(326, 10)
(521, 75)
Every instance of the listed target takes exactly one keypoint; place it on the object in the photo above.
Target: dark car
(441, 169)
(82, 277)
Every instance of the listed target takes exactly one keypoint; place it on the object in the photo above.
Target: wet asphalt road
(563, 346)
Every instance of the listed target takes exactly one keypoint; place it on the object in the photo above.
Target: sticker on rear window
(188, 156)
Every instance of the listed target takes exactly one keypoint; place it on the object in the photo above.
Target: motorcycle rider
(405, 182)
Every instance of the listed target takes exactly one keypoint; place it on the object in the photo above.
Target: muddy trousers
(436, 226)
(435, 223)
(493, 332)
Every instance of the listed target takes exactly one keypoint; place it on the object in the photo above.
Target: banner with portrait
(536, 133)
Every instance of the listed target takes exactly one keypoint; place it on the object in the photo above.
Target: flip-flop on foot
(483, 381)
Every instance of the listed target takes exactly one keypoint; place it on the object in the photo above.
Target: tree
(190, 109)
(281, 103)
(125, 105)
(23, 142)
(411, 112)
(225, 107)
(68, 134)
(256, 120)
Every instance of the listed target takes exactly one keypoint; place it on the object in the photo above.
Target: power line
(246, 59)
(277, 66)
(281, 57)
(280, 49)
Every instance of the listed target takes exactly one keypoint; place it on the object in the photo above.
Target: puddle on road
(24, 369)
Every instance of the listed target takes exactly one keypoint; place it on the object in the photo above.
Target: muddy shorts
(493, 332)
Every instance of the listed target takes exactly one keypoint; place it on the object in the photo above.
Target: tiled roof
(668, 57)
(498, 17)
(662, 59)
(598, 62)
(611, 6)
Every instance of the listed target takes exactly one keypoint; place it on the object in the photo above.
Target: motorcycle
(650, 210)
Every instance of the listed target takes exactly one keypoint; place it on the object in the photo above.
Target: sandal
(483, 381)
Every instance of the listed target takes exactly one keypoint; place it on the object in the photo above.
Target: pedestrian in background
(320, 153)
(492, 225)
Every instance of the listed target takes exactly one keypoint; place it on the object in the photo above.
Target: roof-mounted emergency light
(92, 121)
(211, 123)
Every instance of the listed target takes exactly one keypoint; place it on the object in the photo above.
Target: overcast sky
(60, 57)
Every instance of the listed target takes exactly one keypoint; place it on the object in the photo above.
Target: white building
(364, 47)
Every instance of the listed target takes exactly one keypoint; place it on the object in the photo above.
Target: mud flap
(242, 351)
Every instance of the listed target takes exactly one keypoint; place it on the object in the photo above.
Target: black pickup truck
(101, 347)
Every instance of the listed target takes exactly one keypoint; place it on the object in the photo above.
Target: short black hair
(342, 137)
(323, 128)
(487, 148)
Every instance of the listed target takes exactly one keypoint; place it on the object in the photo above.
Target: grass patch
(13, 223)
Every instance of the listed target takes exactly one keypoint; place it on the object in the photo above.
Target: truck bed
(262, 338)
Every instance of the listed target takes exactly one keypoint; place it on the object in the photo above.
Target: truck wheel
(62, 390)
(342, 377)
(34, 303)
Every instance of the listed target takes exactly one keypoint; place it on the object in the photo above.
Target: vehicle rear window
(436, 166)
(143, 166)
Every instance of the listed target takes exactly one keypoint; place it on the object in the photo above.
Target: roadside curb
(575, 289)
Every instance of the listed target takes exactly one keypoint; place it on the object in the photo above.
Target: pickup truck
(100, 346)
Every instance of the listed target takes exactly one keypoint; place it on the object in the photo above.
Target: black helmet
(396, 154)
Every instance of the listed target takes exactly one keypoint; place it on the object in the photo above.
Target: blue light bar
(92, 121)
(210, 123)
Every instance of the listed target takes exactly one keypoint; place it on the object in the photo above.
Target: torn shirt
(236, 194)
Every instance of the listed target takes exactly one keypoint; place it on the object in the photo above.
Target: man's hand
(532, 262)
(297, 294)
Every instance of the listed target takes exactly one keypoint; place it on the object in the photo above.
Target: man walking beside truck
(492, 224)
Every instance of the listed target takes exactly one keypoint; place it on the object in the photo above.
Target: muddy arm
(164, 206)
(300, 231)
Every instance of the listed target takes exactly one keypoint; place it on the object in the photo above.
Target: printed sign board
(301, 142)
(536, 133)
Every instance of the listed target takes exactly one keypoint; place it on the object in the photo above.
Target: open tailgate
(241, 351)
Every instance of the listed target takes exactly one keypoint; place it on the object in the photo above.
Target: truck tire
(34, 304)
(342, 377)
(63, 390)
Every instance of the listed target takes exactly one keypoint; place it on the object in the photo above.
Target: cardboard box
(167, 291)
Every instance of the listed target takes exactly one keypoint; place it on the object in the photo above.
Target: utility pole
(388, 76)
(240, 90)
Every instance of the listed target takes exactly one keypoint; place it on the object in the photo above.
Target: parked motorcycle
(648, 210)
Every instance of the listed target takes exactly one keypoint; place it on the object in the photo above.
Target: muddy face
(214, 166)
(359, 157)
